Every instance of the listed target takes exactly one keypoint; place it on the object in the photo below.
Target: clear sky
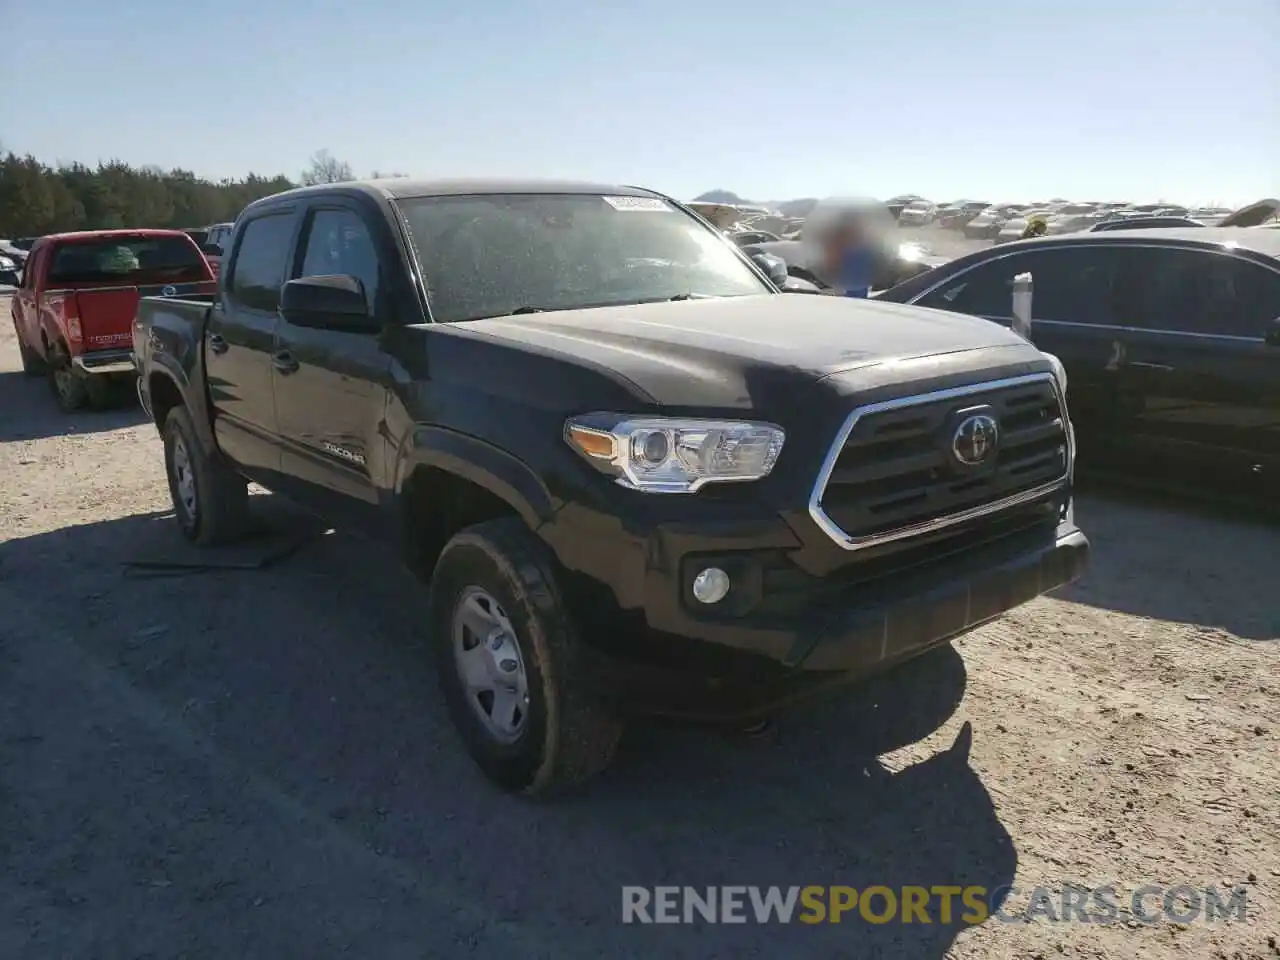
(995, 99)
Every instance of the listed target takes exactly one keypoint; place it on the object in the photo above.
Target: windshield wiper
(691, 296)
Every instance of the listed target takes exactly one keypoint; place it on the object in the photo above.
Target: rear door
(240, 338)
(1208, 379)
(331, 383)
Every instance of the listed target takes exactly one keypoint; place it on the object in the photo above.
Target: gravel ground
(256, 764)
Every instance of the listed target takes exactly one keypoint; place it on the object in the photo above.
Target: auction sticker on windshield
(636, 203)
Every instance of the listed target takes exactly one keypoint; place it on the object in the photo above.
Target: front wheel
(508, 662)
(33, 364)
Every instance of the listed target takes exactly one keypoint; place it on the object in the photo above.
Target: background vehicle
(10, 272)
(217, 237)
(918, 213)
(1170, 339)
(74, 312)
(745, 238)
(1013, 228)
(986, 225)
(1145, 223)
(957, 217)
(667, 492)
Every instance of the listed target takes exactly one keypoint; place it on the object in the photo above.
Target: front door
(1072, 319)
(239, 340)
(331, 384)
(1208, 380)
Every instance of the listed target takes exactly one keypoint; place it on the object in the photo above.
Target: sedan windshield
(487, 255)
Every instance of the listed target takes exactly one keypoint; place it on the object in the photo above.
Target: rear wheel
(210, 500)
(75, 389)
(508, 662)
(68, 385)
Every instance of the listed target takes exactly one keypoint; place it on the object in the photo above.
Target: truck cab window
(258, 268)
(338, 242)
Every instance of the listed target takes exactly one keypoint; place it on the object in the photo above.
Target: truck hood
(747, 353)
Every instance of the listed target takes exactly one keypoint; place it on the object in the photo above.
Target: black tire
(33, 364)
(219, 510)
(568, 736)
(68, 386)
(99, 391)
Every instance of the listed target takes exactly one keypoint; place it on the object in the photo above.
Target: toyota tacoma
(635, 476)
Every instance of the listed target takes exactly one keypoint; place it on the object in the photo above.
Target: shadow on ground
(306, 679)
(28, 410)
(1183, 561)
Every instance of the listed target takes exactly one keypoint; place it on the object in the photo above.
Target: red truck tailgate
(106, 317)
(106, 313)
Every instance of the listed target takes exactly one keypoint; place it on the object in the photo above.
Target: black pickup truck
(636, 476)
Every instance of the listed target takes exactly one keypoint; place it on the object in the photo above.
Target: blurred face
(849, 234)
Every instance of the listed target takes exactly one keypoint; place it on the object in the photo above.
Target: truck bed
(168, 333)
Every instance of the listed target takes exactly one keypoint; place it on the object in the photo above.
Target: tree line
(37, 198)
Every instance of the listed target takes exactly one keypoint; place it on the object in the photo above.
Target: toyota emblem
(168, 291)
(975, 439)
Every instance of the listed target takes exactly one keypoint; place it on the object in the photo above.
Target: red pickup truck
(74, 311)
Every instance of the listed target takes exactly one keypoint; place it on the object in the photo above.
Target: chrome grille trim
(847, 542)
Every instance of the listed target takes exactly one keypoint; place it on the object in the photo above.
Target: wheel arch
(446, 481)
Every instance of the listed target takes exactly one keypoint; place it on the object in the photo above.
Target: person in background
(850, 256)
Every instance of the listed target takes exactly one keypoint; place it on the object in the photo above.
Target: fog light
(711, 585)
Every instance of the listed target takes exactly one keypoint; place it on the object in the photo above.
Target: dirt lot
(255, 763)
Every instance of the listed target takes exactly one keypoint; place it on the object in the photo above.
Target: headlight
(1059, 371)
(675, 455)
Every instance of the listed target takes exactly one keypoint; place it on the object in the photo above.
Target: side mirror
(1273, 333)
(799, 285)
(335, 302)
(211, 250)
(773, 266)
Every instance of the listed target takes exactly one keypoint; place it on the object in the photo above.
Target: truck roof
(397, 188)
(97, 234)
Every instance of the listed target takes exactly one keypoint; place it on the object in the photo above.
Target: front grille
(896, 474)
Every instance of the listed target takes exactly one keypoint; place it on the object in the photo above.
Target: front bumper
(104, 362)
(792, 630)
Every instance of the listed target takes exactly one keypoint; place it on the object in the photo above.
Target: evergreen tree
(36, 198)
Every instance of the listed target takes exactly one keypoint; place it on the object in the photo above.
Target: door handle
(284, 362)
(217, 344)
(1158, 367)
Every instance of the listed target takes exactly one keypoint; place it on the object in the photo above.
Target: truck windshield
(491, 255)
(127, 260)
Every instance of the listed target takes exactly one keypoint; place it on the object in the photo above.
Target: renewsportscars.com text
(943, 904)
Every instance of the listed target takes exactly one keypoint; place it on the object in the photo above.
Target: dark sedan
(1170, 340)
